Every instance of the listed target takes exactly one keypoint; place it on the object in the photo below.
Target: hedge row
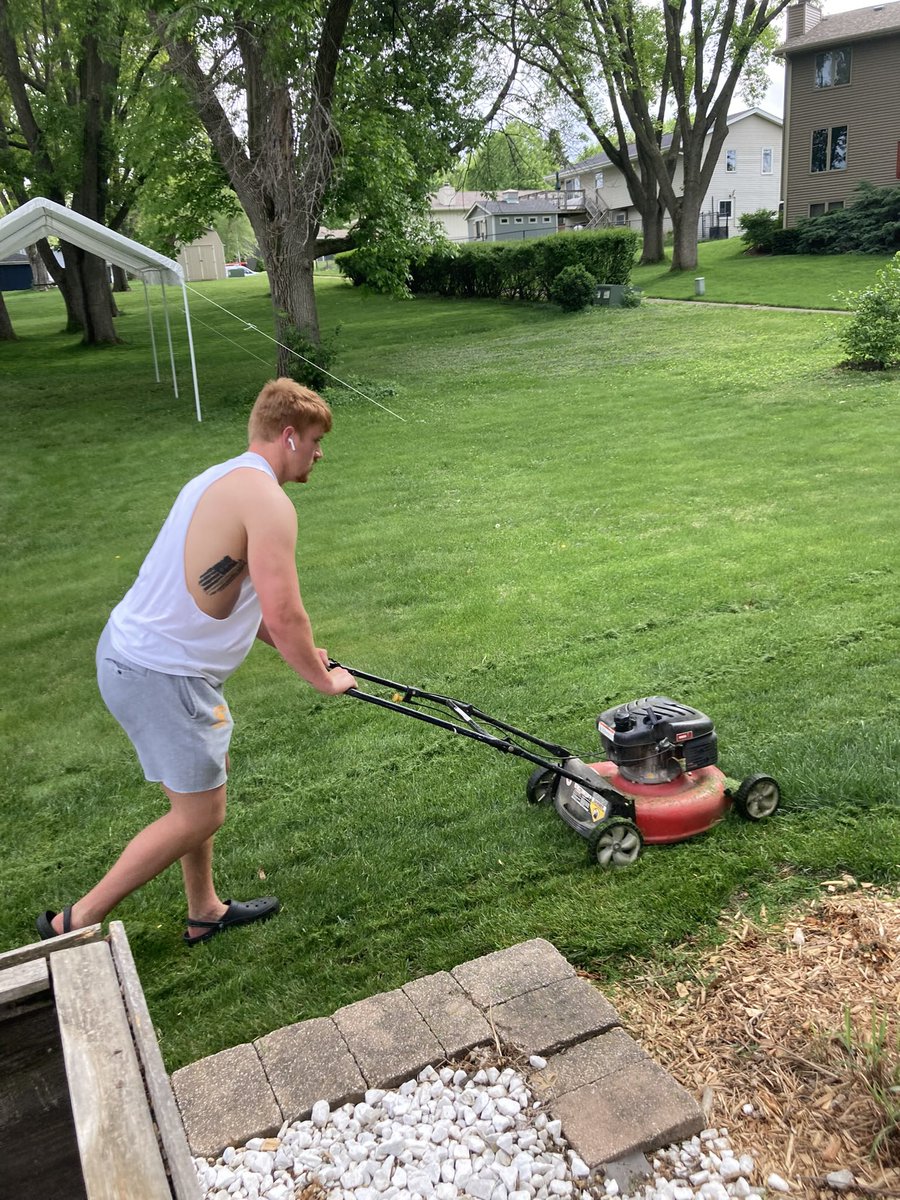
(522, 270)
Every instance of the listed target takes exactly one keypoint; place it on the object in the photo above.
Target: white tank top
(158, 625)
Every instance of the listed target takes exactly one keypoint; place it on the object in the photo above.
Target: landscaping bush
(784, 241)
(315, 359)
(872, 336)
(870, 225)
(574, 288)
(759, 229)
(521, 270)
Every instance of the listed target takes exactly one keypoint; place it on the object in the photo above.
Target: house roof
(596, 161)
(449, 198)
(847, 27)
(524, 207)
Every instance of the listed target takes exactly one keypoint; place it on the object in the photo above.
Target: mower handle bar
(469, 714)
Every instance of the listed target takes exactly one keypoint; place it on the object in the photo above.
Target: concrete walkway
(612, 1099)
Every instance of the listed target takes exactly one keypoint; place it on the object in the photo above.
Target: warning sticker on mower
(606, 731)
(598, 810)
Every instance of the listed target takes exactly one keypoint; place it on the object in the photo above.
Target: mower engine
(655, 740)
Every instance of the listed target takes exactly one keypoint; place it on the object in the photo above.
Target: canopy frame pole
(152, 332)
(190, 336)
(169, 336)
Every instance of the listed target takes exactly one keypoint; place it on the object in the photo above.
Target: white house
(747, 177)
(448, 208)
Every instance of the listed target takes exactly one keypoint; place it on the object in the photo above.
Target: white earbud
(291, 443)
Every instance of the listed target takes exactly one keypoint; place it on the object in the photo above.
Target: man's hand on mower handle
(339, 678)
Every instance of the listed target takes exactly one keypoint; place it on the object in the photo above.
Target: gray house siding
(869, 107)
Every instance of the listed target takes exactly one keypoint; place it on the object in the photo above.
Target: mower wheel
(615, 842)
(758, 797)
(541, 785)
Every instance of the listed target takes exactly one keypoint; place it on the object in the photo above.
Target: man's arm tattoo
(225, 571)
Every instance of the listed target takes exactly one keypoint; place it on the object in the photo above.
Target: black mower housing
(656, 739)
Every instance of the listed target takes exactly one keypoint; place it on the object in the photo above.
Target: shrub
(869, 225)
(519, 270)
(872, 336)
(759, 229)
(310, 360)
(784, 241)
(573, 288)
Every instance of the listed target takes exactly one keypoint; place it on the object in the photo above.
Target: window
(766, 165)
(730, 161)
(573, 184)
(833, 68)
(598, 180)
(724, 208)
(835, 205)
(829, 149)
(504, 220)
(816, 210)
(547, 220)
(621, 218)
(532, 220)
(519, 220)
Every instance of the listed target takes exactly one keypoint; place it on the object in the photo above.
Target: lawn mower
(658, 782)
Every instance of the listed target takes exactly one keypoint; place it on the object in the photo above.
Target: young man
(221, 573)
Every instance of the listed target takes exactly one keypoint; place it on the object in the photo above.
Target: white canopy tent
(42, 218)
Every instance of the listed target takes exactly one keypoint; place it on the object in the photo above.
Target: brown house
(841, 105)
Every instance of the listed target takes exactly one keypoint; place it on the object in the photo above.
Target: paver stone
(388, 1038)
(449, 1013)
(307, 1062)
(558, 1015)
(504, 974)
(638, 1109)
(224, 1100)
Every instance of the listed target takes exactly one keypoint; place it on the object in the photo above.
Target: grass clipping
(801, 1021)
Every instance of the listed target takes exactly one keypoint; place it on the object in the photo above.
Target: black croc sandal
(240, 912)
(45, 923)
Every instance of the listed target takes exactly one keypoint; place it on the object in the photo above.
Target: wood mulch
(759, 1023)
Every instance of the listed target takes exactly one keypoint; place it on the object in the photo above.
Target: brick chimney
(801, 18)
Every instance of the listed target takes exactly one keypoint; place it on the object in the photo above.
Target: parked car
(236, 270)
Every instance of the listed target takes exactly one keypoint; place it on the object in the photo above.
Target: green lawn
(786, 281)
(575, 511)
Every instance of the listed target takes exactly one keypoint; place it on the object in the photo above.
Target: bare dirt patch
(759, 1021)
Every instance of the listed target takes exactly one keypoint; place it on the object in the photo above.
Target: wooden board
(38, 1147)
(26, 980)
(43, 949)
(176, 1153)
(116, 1140)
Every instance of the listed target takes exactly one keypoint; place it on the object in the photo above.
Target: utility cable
(255, 328)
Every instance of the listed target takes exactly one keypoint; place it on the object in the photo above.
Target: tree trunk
(685, 221)
(88, 295)
(289, 264)
(653, 248)
(40, 276)
(7, 333)
(120, 279)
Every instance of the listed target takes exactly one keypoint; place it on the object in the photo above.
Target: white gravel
(455, 1134)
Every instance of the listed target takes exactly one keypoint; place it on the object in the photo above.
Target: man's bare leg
(185, 832)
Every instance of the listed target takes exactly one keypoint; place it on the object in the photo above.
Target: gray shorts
(179, 725)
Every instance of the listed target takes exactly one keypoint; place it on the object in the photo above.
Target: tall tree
(89, 118)
(514, 156)
(310, 105)
(556, 38)
(705, 50)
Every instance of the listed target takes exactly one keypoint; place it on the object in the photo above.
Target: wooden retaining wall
(86, 1108)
